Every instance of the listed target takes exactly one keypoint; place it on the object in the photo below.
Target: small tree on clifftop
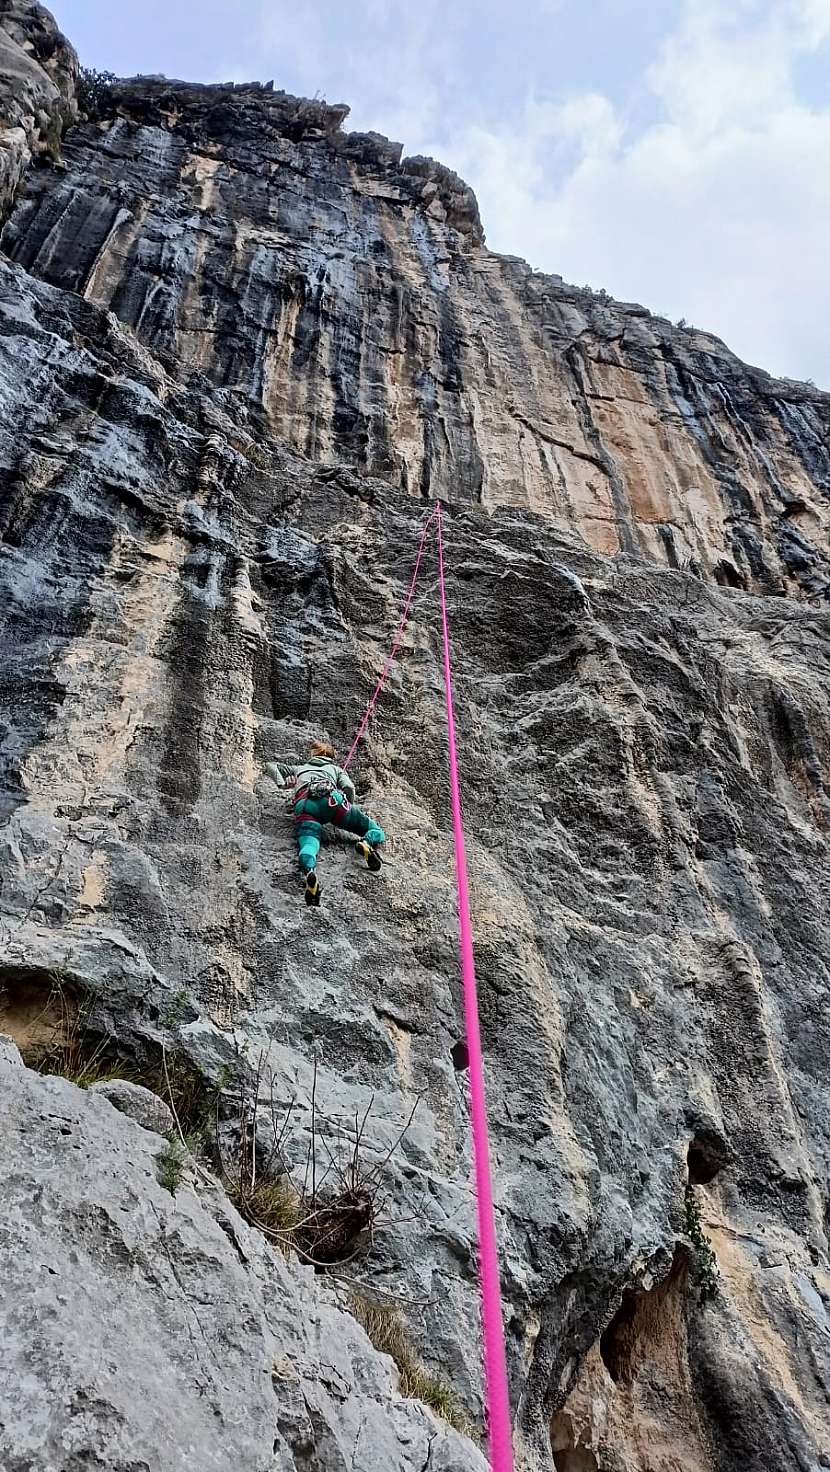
(95, 92)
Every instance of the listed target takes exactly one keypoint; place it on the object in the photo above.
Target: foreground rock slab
(147, 1332)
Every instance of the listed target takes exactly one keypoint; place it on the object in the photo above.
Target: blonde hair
(321, 748)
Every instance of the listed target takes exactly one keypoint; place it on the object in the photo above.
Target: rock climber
(324, 793)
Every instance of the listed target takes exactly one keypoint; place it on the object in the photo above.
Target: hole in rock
(51, 1018)
(460, 1056)
(575, 1459)
(641, 1321)
(568, 1454)
(727, 575)
(615, 1341)
(46, 1013)
(34, 1011)
(706, 1157)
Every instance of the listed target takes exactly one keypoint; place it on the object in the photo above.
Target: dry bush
(329, 1219)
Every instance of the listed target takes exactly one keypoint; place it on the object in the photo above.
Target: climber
(324, 793)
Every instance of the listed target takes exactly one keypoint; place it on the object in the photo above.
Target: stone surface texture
(159, 1332)
(38, 77)
(238, 346)
(344, 294)
(142, 1105)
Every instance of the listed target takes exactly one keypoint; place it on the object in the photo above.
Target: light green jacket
(298, 773)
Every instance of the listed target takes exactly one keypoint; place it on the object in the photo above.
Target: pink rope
(495, 1369)
(396, 643)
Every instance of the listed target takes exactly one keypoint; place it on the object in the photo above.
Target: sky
(673, 152)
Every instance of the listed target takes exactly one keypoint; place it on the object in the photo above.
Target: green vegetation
(704, 1264)
(95, 97)
(386, 1327)
(171, 1162)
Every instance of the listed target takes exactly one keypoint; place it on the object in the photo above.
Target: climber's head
(322, 748)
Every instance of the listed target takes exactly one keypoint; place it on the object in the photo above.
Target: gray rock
(9, 1053)
(471, 377)
(145, 1330)
(145, 1107)
(189, 591)
(38, 76)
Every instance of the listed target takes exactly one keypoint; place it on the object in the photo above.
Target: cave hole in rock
(640, 1322)
(52, 1018)
(569, 1454)
(727, 575)
(38, 1010)
(460, 1055)
(706, 1157)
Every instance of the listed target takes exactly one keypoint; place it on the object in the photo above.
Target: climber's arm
(280, 772)
(346, 784)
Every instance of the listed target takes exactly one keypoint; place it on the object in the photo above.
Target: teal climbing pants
(310, 813)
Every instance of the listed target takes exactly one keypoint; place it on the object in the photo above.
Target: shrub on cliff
(95, 97)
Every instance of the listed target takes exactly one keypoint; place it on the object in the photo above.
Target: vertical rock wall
(212, 465)
(345, 295)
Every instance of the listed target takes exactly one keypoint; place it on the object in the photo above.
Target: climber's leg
(308, 833)
(369, 831)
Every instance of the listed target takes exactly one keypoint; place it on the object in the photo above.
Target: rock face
(38, 76)
(145, 1107)
(232, 338)
(346, 296)
(143, 1330)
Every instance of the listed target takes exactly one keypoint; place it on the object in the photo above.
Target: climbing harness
(336, 801)
(495, 1369)
(315, 787)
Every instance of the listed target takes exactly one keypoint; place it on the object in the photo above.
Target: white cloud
(390, 65)
(719, 210)
(715, 208)
(815, 16)
(713, 72)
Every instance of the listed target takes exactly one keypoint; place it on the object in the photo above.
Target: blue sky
(674, 152)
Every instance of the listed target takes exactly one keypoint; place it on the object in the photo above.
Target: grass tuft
(387, 1329)
(272, 1206)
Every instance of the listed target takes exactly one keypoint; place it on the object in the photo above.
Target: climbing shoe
(312, 887)
(371, 855)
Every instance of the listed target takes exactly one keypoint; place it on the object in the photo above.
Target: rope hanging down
(495, 1371)
(396, 642)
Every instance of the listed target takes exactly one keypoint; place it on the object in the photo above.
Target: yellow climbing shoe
(371, 855)
(312, 887)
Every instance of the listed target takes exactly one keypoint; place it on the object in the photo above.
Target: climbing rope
(495, 1370)
(396, 643)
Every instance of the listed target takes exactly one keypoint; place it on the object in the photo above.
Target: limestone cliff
(238, 347)
(345, 295)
